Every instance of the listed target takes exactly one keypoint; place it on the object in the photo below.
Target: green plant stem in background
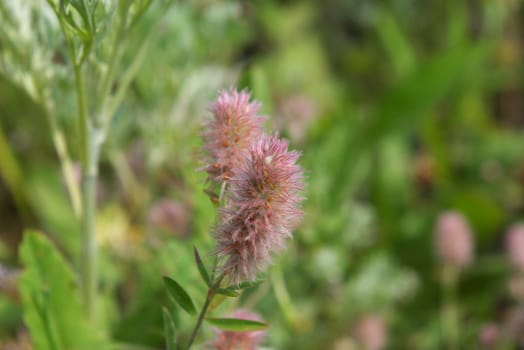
(89, 149)
(89, 156)
(209, 298)
(89, 246)
(73, 188)
(59, 141)
(105, 85)
(283, 298)
(82, 115)
(450, 311)
(11, 173)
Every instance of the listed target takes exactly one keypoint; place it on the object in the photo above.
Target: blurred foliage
(52, 309)
(402, 109)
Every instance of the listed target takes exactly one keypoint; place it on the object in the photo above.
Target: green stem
(13, 176)
(66, 165)
(89, 155)
(210, 295)
(82, 117)
(89, 246)
(450, 312)
(201, 316)
(107, 81)
(89, 148)
(73, 188)
(283, 298)
(127, 77)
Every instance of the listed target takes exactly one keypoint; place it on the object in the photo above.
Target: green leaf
(169, 330)
(52, 309)
(68, 12)
(227, 292)
(202, 268)
(237, 324)
(245, 285)
(178, 293)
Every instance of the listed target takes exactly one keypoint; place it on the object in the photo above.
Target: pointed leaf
(245, 284)
(237, 324)
(227, 292)
(202, 268)
(169, 330)
(178, 293)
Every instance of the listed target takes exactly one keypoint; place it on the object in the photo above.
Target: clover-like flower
(262, 208)
(228, 135)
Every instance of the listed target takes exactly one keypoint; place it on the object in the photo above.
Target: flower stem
(89, 156)
(89, 247)
(210, 295)
(201, 316)
(283, 299)
(450, 312)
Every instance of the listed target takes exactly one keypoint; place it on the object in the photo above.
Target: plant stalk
(450, 312)
(89, 155)
(209, 298)
(89, 246)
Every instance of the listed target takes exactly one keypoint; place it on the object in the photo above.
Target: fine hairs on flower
(228, 135)
(262, 186)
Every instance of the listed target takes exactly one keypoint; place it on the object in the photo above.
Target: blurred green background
(403, 109)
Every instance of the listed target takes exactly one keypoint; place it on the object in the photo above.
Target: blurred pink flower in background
(263, 207)
(516, 286)
(9, 282)
(453, 240)
(22, 341)
(228, 135)
(370, 332)
(229, 340)
(489, 336)
(171, 216)
(295, 115)
(515, 246)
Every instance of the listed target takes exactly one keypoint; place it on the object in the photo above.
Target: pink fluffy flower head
(229, 340)
(228, 135)
(454, 241)
(263, 207)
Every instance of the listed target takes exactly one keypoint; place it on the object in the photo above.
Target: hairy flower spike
(263, 207)
(227, 137)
